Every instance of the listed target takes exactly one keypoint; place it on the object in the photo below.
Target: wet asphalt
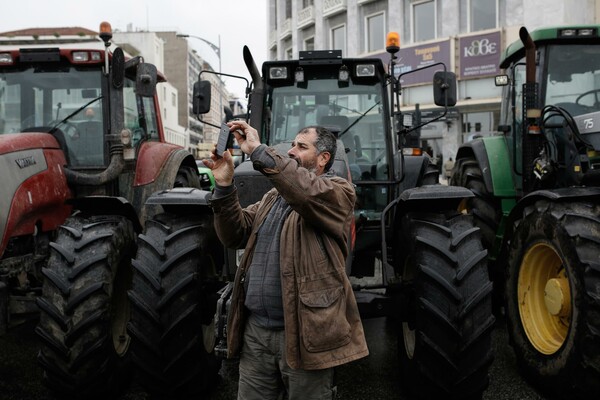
(372, 378)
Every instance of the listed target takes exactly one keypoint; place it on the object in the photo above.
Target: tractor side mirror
(444, 88)
(145, 80)
(201, 97)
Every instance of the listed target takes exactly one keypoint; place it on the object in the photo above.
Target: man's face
(306, 154)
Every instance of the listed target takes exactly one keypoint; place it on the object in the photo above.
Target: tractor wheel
(484, 206)
(187, 177)
(445, 339)
(174, 295)
(84, 307)
(486, 211)
(432, 174)
(553, 297)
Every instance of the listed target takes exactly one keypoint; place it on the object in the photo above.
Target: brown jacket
(322, 324)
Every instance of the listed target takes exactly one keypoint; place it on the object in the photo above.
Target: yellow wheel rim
(544, 297)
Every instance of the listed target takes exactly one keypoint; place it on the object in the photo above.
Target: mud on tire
(84, 308)
(173, 300)
(445, 343)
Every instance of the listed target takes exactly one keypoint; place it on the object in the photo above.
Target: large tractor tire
(553, 297)
(487, 212)
(484, 206)
(84, 308)
(432, 174)
(174, 295)
(445, 339)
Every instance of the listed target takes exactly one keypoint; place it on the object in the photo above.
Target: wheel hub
(557, 297)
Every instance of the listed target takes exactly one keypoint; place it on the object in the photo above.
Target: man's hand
(221, 167)
(246, 136)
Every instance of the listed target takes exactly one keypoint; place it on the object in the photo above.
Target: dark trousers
(265, 374)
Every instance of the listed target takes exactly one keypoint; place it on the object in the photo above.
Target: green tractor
(415, 258)
(537, 202)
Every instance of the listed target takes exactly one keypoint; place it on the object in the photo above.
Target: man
(448, 165)
(293, 314)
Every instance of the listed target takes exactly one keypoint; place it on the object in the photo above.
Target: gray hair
(326, 141)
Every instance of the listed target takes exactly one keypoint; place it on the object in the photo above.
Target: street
(374, 377)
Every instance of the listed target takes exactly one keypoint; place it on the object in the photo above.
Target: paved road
(372, 378)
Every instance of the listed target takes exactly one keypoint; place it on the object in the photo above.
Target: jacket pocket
(323, 319)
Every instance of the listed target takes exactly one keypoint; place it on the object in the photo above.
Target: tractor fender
(182, 200)
(432, 198)
(157, 168)
(107, 205)
(579, 194)
(493, 158)
(158, 164)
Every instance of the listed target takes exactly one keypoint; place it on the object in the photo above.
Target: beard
(310, 165)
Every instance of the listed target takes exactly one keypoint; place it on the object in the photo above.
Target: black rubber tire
(572, 230)
(486, 208)
(445, 341)
(187, 177)
(432, 174)
(174, 296)
(84, 308)
(487, 212)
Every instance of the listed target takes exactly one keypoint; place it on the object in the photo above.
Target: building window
(309, 43)
(288, 9)
(173, 99)
(375, 32)
(482, 14)
(288, 54)
(307, 3)
(338, 38)
(423, 20)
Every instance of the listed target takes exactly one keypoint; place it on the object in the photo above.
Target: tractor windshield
(67, 101)
(573, 81)
(63, 100)
(355, 114)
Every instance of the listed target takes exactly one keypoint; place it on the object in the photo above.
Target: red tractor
(81, 149)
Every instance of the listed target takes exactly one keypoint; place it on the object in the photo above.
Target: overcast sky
(238, 22)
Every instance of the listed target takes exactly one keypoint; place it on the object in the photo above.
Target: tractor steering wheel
(595, 92)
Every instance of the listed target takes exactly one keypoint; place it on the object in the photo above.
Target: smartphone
(223, 140)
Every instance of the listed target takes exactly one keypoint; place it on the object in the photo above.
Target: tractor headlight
(6, 58)
(363, 70)
(278, 73)
(81, 56)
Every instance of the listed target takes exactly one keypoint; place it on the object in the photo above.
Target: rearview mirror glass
(145, 80)
(444, 89)
(201, 97)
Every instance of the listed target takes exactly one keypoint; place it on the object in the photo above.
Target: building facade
(468, 36)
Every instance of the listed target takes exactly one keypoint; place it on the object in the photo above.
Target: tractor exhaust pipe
(531, 137)
(114, 169)
(529, 54)
(257, 95)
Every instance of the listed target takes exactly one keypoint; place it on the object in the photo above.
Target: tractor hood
(12, 142)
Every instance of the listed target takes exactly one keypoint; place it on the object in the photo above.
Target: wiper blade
(65, 119)
(358, 119)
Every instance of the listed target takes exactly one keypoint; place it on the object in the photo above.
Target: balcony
(333, 7)
(286, 29)
(306, 17)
